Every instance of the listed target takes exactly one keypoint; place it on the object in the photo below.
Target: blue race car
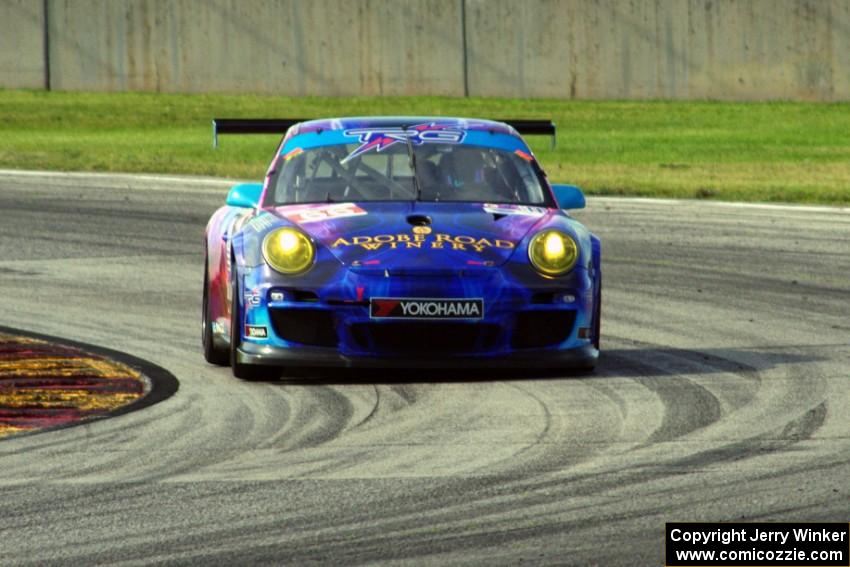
(400, 241)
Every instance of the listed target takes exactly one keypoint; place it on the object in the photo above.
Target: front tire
(597, 317)
(241, 371)
(596, 330)
(212, 353)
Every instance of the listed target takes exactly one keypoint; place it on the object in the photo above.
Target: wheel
(212, 353)
(596, 331)
(597, 317)
(241, 371)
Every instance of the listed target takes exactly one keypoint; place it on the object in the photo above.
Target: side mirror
(245, 195)
(568, 196)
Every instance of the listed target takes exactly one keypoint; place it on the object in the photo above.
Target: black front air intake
(306, 326)
(425, 339)
(536, 329)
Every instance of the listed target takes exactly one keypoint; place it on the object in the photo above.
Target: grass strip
(763, 151)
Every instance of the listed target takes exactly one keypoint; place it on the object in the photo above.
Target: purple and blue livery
(400, 241)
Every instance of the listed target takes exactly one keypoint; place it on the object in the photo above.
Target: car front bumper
(533, 322)
(265, 355)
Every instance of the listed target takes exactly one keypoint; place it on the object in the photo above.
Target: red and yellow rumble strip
(44, 384)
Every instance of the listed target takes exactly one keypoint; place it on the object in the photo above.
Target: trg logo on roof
(382, 138)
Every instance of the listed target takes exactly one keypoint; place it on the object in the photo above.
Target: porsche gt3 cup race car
(400, 241)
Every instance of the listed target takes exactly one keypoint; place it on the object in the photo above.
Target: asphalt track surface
(723, 394)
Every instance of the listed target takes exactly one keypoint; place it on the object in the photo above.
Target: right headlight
(552, 252)
(288, 250)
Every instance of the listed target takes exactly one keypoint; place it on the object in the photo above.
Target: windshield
(444, 172)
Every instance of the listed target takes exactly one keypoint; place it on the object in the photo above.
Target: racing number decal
(325, 212)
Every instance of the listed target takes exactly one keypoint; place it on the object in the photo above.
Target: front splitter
(579, 358)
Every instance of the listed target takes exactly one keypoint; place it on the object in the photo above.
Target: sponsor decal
(439, 241)
(262, 222)
(525, 156)
(256, 332)
(252, 298)
(425, 308)
(240, 221)
(323, 212)
(421, 230)
(506, 209)
(379, 139)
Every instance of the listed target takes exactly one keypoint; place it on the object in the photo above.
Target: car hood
(416, 236)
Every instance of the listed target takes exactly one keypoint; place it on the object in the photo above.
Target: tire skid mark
(795, 430)
(781, 426)
(317, 415)
(688, 399)
(408, 440)
(407, 393)
(680, 419)
(320, 415)
(394, 398)
(452, 526)
(805, 426)
(373, 412)
(544, 431)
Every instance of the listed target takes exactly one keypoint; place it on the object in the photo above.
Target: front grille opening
(302, 295)
(536, 329)
(543, 297)
(307, 326)
(426, 338)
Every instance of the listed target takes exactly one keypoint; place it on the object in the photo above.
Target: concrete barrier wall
(292, 47)
(22, 44)
(680, 49)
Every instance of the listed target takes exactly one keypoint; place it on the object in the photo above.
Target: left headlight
(552, 252)
(289, 251)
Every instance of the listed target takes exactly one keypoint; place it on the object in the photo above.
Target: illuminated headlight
(288, 251)
(552, 252)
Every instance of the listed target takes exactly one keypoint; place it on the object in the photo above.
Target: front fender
(223, 224)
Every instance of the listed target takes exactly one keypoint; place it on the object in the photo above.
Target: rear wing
(281, 125)
(252, 126)
(534, 128)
